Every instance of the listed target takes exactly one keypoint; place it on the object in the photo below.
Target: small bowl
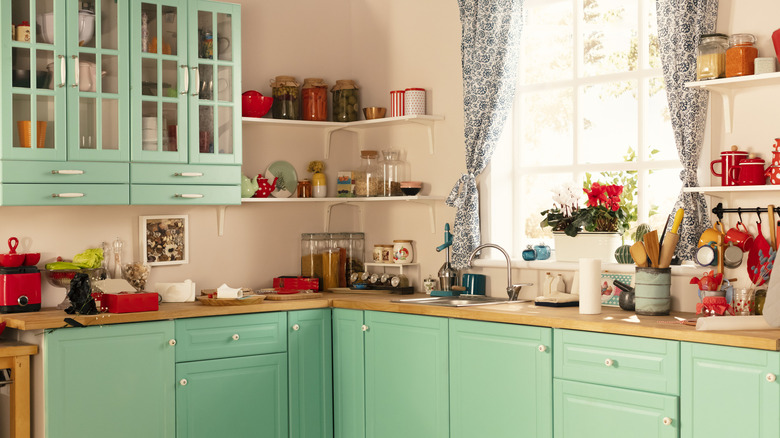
(32, 258)
(411, 188)
(374, 112)
(254, 104)
(11, 260)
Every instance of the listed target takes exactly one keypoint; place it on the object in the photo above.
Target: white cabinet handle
(67, 172)
(172, 342)
(67, 195)
(76, 64)
(183, 382)
(188, 195)
(667, 421)
(296, 327)
(609, 362)
(771, 377)
(197, 81)
(188, 174)
(364, 328)
(186, 80)
(542, 348)
(63, 70)
(235, 337)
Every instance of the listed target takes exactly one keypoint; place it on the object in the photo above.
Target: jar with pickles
(315, 99)
(287, 98)
(346, 101)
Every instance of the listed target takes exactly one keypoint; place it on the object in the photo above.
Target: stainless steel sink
(461, 301)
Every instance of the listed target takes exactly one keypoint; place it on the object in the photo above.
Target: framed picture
(610, 294)
(164, 240)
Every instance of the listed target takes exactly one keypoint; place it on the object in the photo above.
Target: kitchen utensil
(711, 234)
(739, 237)
(669, 244)
(411, 188)
(727, 160)
(86, 26)
(264, 188)
(474, 284)
(639, 254)
(744, 303)
(20, 289)
(758, 258)
(776, 42)
(707, 255)
(254, 104)
(626, 300)
(719, 255)
(88, 76)
(12, 259)
(31, 258)
(772, 241)
(652, 291)
(287, 178)
(25, 133)
(46, 23)
(732, 256)
(651, 247)
(374, 112)
(663, 233)
(749, 172)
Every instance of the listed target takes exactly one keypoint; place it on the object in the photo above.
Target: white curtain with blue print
(490, 49)
(680, 24)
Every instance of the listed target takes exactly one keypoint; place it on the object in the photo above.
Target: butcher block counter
(612, 319)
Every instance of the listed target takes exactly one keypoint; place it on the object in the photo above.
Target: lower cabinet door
(237, 397)
(349, 418)
(500, 380)
(585, 410)
(110, 381)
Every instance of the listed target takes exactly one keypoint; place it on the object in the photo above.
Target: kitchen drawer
(64, 194)
(230, 336)
(624, 361)
(145, 173)
(161, 194)
(59, 172)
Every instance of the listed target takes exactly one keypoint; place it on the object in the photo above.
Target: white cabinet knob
(771, 377)
(296, 327)
(542, 348)
(235, 337)
(609, 362)
(172, 342)
(183, 382)
(667, 421)
(364, 328)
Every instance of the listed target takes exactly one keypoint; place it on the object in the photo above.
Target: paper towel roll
(590, 286)
(732, 323)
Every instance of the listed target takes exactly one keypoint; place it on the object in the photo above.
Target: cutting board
(287, 297)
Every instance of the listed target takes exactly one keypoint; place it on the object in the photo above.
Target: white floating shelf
(732, 189)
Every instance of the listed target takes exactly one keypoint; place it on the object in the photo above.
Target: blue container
(652, 291)
(474, 284)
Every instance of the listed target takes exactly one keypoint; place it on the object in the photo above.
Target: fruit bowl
(62, 278)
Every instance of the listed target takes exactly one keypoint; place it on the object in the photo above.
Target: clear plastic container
(368, 178)
(393, 172)
(287, 98)
(740, 55)
(711, 56)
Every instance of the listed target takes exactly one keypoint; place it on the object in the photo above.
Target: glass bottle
(740, 55)
(368, 178)
(393, 172)
(346, 101)
(287, 103)
(315, 99)
(711, 56)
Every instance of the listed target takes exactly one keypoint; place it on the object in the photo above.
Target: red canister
(397, 103)
(727, 160)
(749, 172)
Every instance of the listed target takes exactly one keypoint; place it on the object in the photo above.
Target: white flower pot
(599, 245)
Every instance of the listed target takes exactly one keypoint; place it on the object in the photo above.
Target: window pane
(659, 137)
(653, 60)
(536, 192)
(546, 125)
(663, 188)
(609, 36)
(547, 42)
(609, 122)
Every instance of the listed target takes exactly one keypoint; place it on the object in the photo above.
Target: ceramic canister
(749, 172)
(652, 292)
(396, 103)
(727, 160)
(414, 101)
(403, 251)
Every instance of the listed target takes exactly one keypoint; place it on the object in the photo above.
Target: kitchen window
(591, 101)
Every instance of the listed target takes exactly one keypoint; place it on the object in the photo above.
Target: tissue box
(345, 184)
(126, 303)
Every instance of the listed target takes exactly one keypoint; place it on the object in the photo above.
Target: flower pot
(600, 245)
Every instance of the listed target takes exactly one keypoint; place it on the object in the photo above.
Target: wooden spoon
(652, 247)
(638, 253)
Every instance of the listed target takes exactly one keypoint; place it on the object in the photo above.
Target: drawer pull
(188, 195)
(172, 342)
(183, 382)
(609, 362)
(67, 172)
(235, 337)
(771, 377)
(296, 327)
(67, 195)
(364, 328)
(542, 348)
(667, 421)
(188, 174)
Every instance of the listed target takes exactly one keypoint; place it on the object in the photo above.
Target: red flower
(596, 195)
(614, 190)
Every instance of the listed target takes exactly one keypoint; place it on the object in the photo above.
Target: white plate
(288, 178)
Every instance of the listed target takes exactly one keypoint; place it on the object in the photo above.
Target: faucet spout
(512, 290)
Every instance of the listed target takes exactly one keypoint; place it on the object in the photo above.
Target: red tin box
(297, 283)
(126, 303)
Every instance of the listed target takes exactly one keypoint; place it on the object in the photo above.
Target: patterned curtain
(680, 23)
(489, 47)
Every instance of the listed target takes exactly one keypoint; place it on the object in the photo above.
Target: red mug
(749, 172)
(727, 160)
(741, 238)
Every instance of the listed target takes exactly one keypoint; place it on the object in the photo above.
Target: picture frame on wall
(164, 240)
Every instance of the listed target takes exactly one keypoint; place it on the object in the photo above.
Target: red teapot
(264, 188)
(749, 172)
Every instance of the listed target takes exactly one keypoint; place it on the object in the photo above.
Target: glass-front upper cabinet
(215, 117)
(63, 80)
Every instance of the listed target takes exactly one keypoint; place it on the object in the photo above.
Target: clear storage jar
(315, 99)
(355, 255)
(287, 98)
(313, 245)
(368, 178)
(393, 172)
(346, 101)
(740, 55)
(711, 56)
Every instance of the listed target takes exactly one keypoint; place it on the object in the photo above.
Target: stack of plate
(149, 133)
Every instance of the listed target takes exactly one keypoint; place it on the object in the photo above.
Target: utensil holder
(652, 292)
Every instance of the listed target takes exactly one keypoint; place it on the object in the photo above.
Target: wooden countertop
(611, 320)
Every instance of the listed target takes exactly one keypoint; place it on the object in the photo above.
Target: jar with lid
(338, 246)
(368, 178)
(711, 56)
(314, 94)
(287, 100)
(355, 254)
(346, 101)
(312, 247)
(403, 251)
(740, 55)
(393, 172)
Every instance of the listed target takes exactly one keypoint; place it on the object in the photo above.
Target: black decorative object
(80, 296)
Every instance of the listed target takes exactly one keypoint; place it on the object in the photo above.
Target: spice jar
(740, 55)
(346, 101)
(287, 102)
(393, 172)
(315, 99)
(304, 189)
(711, 56)
(378, 253)
(368, 178)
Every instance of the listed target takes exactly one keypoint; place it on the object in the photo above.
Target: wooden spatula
(652, 248)
(638, 253)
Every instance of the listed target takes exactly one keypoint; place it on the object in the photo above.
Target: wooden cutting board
(298, 296)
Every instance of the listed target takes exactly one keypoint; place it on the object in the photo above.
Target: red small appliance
(20, 289)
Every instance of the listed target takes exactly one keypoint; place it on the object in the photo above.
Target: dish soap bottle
(547, 284)
(558, 285)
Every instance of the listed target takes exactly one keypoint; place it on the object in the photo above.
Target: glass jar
(355, 254)
(711, 56)
(393, 172)
(315, 99)
(312, 247)
(368, 178)
(287, 99)
(740, 55)
(346, 101)
(304, 189)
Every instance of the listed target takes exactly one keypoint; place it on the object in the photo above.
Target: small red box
(297, 283)
(126, 303)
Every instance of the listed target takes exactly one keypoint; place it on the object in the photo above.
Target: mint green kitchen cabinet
(406, 378)
(729, 391)
(310, 373)
(500, 380)
(111, 380)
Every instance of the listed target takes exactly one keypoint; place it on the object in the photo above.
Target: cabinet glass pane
(148, 27)
(225, 84)
(225, 129)
(21, 68)
(108, 24)
(44, 69)
(224, 34)
(87, 123)
(33, 131)
(86, 24)
(30, 68)
(149, 77)
(21, 112)
(170, 127)
(110, 122)
(206, 86)
(88, 72)
(168, 30)
(158, 29)
(149, 126)
(110, 82)
(45, 121)
(206, 130)
(170, 79)
(205, 35)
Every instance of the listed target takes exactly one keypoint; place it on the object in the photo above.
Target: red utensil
(12, 259)
(759, 258)
(776, 41)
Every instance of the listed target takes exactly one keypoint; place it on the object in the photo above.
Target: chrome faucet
(512, 290)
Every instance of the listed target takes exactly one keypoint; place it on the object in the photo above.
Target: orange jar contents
(315, 99)
(741, 55)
